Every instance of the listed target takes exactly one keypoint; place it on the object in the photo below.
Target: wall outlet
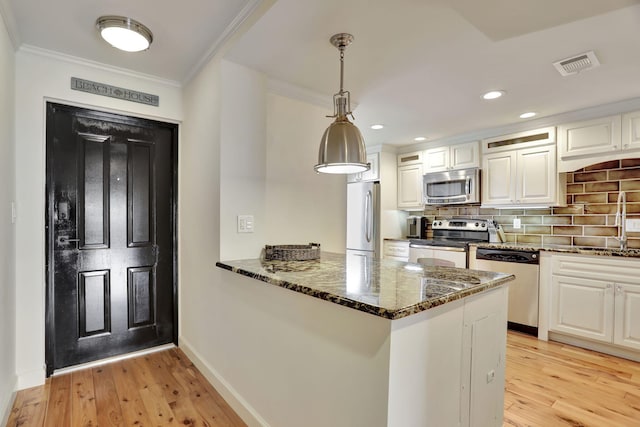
(633, 225)
(245, 224)
(516, 223)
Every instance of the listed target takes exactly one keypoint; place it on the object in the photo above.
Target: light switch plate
(633, 225)
(245, 224)
(516, 223)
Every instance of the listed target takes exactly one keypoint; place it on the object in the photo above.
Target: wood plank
(107, 402)
(83, 401)
(59, 404)
(30, 406)
(151, 393)
(133, 410)
(229, 413)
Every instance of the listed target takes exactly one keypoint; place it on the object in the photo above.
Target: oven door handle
(440, 248)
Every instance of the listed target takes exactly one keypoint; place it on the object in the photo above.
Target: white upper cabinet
(373, 174)
(410, 187)
(459, 156)
(520, 169)
(598, 140)
(590, 137)
(631, 131)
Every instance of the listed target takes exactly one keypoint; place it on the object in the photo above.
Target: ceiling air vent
(576, 64)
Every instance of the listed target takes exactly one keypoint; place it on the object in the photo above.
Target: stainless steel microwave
(452, 187)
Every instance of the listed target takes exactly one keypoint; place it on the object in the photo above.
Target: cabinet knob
(626, 145)
(615, 147)
(608, 285)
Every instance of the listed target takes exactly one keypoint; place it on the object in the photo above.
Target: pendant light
(342, 149)
(124, 33)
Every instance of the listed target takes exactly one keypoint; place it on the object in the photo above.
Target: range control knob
(484, 224)
(435, 223)
(477, 224)
(440, 223)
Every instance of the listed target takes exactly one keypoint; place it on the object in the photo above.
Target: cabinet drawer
(596, 267)
(396, 249)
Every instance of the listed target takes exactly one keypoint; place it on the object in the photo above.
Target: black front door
(111, 203)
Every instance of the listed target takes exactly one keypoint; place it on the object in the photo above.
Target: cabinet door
(410, 187)
(436, 159)
(582, 307)
(536, 175)
(498, 178)
(589, 137)
(463, 156)
(627, 317)
(631, 131)
(372, 174)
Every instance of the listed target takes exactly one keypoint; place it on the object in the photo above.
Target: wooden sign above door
(114, 92)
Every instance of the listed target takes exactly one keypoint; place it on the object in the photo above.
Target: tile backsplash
(587, 220)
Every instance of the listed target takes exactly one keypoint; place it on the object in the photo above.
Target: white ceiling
(417, 66)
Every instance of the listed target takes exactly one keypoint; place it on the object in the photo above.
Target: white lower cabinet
(627, 319)
(582, 307)
(596, 298)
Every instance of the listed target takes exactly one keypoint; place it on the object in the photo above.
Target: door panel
(111, 233)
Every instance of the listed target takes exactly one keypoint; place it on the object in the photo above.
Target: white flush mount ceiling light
(124, 33)
(377, 127)
(528, 115)
(494, 94)
(419, 138)
(342, 149)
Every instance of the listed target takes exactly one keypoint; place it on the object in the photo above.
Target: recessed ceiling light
(124, 33)
(528, 115)
(494, 94)
(377, 127)
(420, 138)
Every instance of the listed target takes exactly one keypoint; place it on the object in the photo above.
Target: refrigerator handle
(368, 213)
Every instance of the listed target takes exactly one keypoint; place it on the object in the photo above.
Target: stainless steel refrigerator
(363, 218)
(363, 244)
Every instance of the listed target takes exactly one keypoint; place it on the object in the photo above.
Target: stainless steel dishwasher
(523, 291)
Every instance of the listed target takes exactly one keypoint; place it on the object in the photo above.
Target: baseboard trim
(7, 403)
(30, 379)
(244, 410)
(595, 346)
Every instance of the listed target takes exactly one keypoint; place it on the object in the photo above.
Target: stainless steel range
(450, 242)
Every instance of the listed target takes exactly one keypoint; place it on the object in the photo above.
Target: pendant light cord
(341, 70)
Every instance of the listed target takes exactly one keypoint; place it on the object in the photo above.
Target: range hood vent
(576, 64)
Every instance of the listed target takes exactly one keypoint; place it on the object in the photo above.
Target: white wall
(40, 76)
(7, 233)
(228, 167)
(243, 166)
(302, 206)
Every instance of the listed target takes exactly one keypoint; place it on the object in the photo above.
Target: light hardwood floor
(547, 385)
(550, 384)
(159, 389)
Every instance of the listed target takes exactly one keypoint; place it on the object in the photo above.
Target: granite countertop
(385, 288)
(584, 250)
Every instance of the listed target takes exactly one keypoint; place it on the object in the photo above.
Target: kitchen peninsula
(353, 341)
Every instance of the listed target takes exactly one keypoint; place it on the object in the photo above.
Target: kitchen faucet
(621, 220)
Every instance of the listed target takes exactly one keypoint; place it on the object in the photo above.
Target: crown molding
(231, 29)
(36, 51)
(10, 23)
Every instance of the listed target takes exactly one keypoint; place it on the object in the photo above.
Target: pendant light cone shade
(124, 33)
(342, 149)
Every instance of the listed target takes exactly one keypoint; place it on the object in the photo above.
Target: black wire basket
(292, 252)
